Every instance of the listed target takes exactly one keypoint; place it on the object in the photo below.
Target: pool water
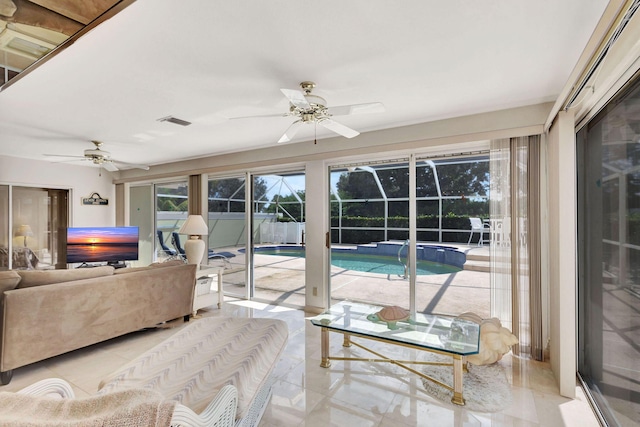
(367, 263)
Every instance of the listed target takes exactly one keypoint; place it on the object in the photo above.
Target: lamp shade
(24, 230)
(194, 225)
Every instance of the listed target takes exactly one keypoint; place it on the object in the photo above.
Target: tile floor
(347, 394)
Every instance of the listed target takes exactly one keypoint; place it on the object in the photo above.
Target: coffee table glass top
(430, 331)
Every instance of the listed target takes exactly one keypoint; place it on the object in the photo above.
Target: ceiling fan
(310, 108)
(102, 158)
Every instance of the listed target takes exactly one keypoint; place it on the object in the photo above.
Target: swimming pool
(351, 260)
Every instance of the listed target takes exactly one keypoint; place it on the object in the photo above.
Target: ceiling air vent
(175, 121)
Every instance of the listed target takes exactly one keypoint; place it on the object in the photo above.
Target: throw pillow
(9, 279)
(48, 277)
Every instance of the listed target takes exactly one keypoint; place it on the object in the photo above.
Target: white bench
(194, 364)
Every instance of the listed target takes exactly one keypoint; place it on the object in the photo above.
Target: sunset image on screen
(104, 236)
(102, 244)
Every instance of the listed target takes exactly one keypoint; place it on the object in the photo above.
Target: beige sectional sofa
(51, 312)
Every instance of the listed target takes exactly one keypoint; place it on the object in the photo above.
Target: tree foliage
(289, 203)
(464, 179)
(164, 201)
(228, 195)
(468, 181)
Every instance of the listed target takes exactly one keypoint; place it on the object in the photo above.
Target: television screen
(102, 244)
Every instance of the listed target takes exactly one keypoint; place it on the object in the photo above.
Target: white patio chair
(477, 226)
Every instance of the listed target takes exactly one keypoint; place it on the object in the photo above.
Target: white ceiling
(206, 61)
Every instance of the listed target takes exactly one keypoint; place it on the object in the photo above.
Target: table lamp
(24, 231)
(194, 247)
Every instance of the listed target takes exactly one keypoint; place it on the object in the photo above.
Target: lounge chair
(166, 249)
(175, 241)
(224, 255)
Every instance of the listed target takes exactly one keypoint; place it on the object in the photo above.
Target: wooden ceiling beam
(28, 13)
(63, 16)
(81, 11)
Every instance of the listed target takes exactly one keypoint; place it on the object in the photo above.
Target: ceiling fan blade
(260, 116)
(108, 165)
(132, 165)
(78, 160)
(291, 131)
(64, 155)
(339, 128)
(343, 110)
(296, 98)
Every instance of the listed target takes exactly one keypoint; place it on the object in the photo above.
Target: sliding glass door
(375, 208)
(172, 208)
(268, 263)
(141, 214)
(454, 262)
(4, 228)
(39, 220)
(278, 237)
(369, 208)
(609, 258)
(227, 221)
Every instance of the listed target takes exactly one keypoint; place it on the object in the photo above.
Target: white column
(316, 227)
(562, 251)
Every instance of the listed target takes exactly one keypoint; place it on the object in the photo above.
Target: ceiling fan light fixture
(315, 100)
(308, 118)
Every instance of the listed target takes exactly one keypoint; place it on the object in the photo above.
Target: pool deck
(281, 279)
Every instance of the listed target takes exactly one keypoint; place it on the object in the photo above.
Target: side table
(207, 298)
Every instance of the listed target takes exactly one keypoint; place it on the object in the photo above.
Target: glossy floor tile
(349, 393)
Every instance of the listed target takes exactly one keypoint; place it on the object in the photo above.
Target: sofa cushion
(48, 277)
(171, 263)
(9, 280)
(131, 270)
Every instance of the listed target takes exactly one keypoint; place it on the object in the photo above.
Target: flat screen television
(102, 244)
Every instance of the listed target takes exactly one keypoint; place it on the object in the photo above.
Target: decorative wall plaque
(94, 199)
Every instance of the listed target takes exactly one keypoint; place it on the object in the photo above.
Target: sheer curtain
(515, 240)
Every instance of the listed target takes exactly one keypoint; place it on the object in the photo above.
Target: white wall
(81, 180)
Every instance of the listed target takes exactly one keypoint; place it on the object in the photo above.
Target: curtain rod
(621, 25)
(604, 30)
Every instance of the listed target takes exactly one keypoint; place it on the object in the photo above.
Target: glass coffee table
(440, 334)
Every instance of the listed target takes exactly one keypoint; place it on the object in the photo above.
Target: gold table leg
(457, 380)
(324, 343)
(347, 340)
